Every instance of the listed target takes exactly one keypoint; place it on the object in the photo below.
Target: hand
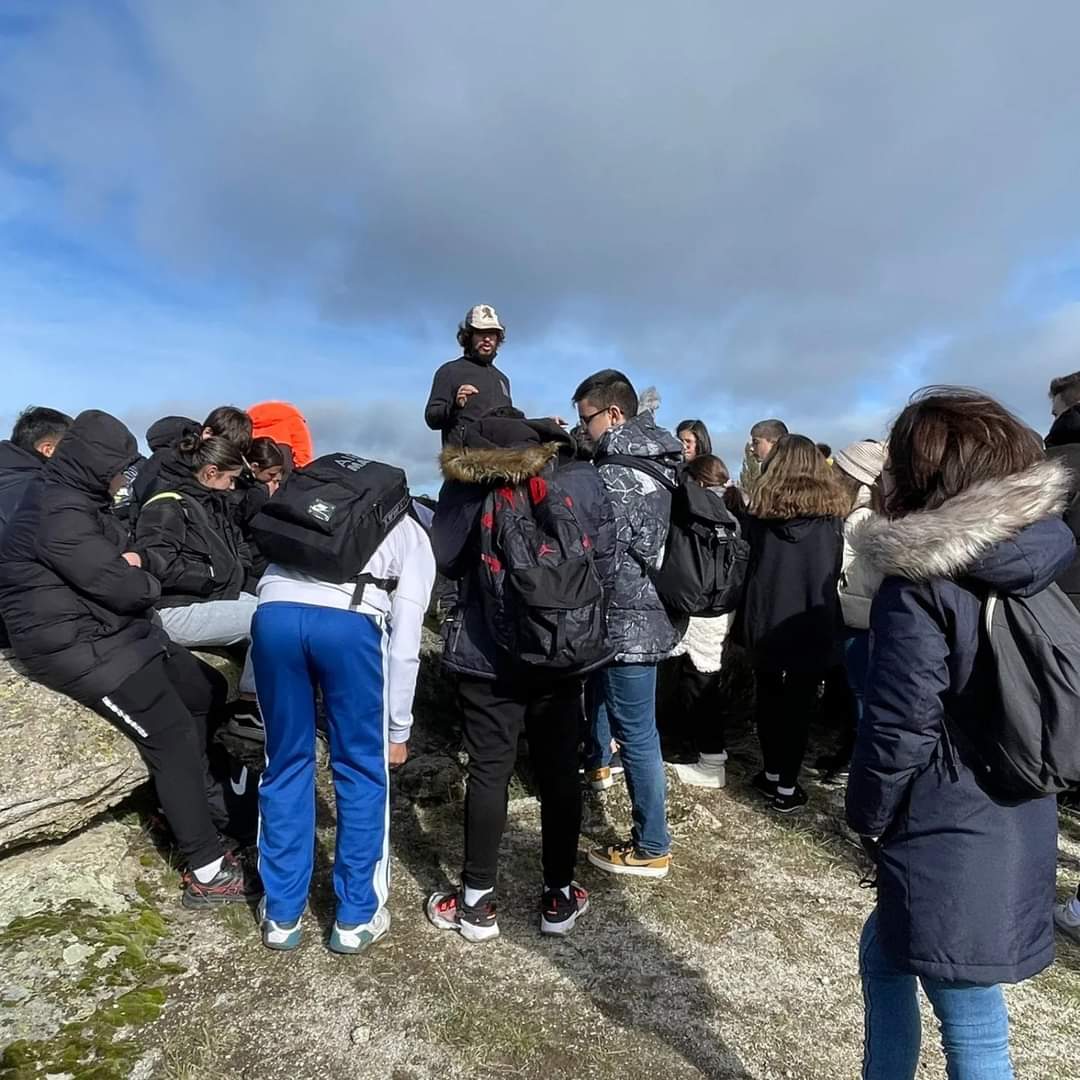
(132, 558)
(464, 392)
(559, 420)
(399, 754)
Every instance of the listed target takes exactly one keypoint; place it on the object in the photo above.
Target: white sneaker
(349, 939)
(1066, 922)
(708, 771)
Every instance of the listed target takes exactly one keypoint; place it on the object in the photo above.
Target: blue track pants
(297, 648)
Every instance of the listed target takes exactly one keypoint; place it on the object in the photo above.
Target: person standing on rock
(77, 605)
(359, 644)
(470, 386)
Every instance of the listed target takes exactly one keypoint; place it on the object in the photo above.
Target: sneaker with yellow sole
(623, 859)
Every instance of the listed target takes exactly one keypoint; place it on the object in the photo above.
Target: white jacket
(859, 578)
(704, 641)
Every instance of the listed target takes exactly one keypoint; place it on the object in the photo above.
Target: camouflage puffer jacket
(639, 625)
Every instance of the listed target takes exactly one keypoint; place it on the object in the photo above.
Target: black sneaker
(785, 804)
(246, 722)
(230, 885)
(448, 911)
(558, 914)
(760, 782)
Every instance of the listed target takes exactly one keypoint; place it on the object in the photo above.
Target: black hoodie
(77, 613)
(442, 412)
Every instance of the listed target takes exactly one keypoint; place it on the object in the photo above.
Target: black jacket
(1063, 443)
(790, 617)
(468, 647)
(191, 544)
(442, 412)
(965, 880)
(77, 613)
(17, 468)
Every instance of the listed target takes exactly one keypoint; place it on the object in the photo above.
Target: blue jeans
(857, 665)
(974, 1021)
(628, 694)
(598, 728)
(298, 647)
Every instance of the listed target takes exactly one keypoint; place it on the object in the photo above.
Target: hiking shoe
(448, 911)
(760, 782)
(1066, 922)
(785, 804)
(600, 779)
(246, 722)
(230, 885)
(280, 936)
(350, 938)
(558, 914)
(624, 859)
(701, 773)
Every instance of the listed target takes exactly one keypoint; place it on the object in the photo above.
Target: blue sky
(806, 212)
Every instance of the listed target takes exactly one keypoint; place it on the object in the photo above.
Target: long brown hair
(949, 438)
(797, 482)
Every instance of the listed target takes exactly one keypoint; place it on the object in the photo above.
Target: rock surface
(62, 765)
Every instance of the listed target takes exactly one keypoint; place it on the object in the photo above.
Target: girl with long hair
(966, 880)
(790, 617)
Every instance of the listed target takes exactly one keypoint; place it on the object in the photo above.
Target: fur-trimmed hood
(489, 466)
(984, 532)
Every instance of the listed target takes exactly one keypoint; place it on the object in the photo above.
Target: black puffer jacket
(790, 617)
(965, 880)
(189, 540)
(1063, 444)
(442, 412)
(538, 446)
(17, 468)
(77, 613)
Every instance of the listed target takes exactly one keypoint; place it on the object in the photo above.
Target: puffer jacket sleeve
(160, 539)
(456, 515)
(71, 543)
(903, 717)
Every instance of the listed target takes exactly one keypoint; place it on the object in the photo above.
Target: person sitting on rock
(188, 538)
(361, 648)
(77, 604)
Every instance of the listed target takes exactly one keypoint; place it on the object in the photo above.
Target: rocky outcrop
(62, 765)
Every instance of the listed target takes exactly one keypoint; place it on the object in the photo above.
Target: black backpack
(541, 590)
(705, 555)
(328, 518)
(1022, 724)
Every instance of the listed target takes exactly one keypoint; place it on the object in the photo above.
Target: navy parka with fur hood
(965, 880)
(501, 450)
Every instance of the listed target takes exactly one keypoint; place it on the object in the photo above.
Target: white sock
(785, 791)
(1072, 909)
(474, 896)
(713, 760)
(773, 777)
(205, 874)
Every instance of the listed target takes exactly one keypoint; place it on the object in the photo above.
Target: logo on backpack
(542, 593)
(321, 511)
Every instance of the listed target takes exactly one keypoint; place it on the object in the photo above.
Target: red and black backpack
(542, 593)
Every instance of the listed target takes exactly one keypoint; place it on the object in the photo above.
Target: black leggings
(785, 704)
(702, 707)
(494, 714)
(164, 709)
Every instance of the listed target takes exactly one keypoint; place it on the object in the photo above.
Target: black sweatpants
(702, 707)
(164, 709)
(494, 713)
(785, 704)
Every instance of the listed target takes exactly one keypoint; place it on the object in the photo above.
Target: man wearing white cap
(471, 386)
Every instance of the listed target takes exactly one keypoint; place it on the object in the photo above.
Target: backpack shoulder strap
(641, 465)
(164, 495)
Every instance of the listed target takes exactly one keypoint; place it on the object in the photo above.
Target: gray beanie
(863, 460)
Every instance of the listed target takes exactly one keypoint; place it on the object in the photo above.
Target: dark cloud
(799, 190)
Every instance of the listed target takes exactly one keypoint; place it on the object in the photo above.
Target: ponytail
(197, 453)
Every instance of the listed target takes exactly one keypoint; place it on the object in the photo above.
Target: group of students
(867, 568)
